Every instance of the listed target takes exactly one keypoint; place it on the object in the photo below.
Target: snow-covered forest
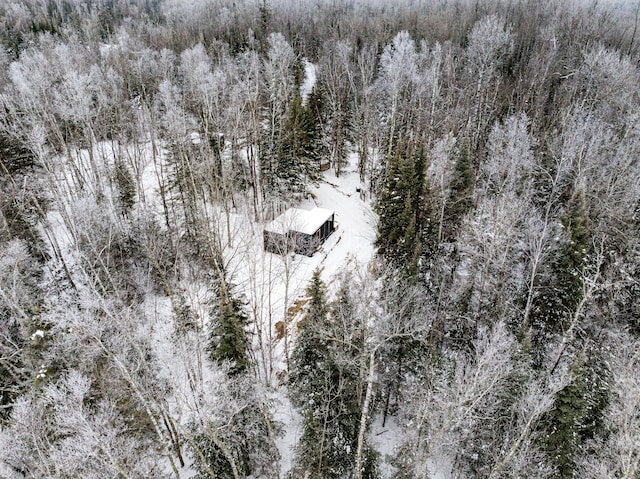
(475, 313)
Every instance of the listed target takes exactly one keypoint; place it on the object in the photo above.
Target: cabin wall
(275, 242)
(326, 229)
(300, 243)
(303, 243)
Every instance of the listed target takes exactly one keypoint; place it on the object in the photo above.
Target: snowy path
(352, 242)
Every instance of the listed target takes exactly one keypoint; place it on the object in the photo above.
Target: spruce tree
(461, 195)
(314, 112)
(246, 431)
(298, 159)
(312, 348)
(561, 285)
(323, 385)
(229, 342)
(400, 214)
(126, 187)
(577, 413)
(292, 154)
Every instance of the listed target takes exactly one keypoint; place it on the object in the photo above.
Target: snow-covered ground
(309, 80)
(266, 279)
(273, 286)
(386, 440)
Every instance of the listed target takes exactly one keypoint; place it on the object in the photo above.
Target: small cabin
(300, 231)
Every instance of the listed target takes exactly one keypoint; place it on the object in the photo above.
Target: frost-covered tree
(615, 453)
(400, 346)
(280, 90)
(490, 44)
(577, 414)
(231, 434)
(490, 241)
(364, 111)
(325, 384)
(59, 433)
(396, 78)
(606, 78)
(454, 403)
(439, 176)
(26, 338)
(334, 78)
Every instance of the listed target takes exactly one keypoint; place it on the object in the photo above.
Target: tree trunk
(364, 416)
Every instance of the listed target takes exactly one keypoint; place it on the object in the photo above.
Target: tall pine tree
(324, 386)
(240, 442)
(229, 342)
(399, 209)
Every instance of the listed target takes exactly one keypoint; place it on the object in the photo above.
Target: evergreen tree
(294, 150)
(22, 204)
(314, 113)
(241, 440)
(300, 151)
(461, 196)
(312, 347)
(325, 386)
(561, 286)
(264, 21)
(578, 413)
(229, 342)
(14, 158)
(399, 208)
(126, 186)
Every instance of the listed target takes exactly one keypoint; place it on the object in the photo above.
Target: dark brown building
(300, 231)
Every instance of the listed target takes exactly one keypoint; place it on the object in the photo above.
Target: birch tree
(398, 71)
(278, 74)
(490, 44)
(334, 77)
(617, 455)
(491, 239)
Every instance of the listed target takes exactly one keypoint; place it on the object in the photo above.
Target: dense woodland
(497, 327)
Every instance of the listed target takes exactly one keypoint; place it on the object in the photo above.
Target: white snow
(386, 441)
(195, 138)
(38, 334)
(309, 80)
(302, 221)
(355, 220)
(273, 286)
(292, 422)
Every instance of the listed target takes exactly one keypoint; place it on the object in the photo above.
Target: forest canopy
(492, 148)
